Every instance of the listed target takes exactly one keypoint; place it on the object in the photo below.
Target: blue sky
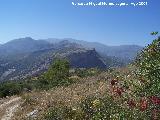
(60, 19)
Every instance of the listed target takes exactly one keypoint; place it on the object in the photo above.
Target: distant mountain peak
(22, 39)
(23, 45)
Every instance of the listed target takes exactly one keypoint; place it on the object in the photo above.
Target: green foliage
(154, 33)
(64, 113)
(58, 70)
(148, 63)
(9, 89)
(86, 72)
(58, 74)
(12, 88)
(97, 109)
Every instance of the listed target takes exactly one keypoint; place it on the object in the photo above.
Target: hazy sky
(60, 19)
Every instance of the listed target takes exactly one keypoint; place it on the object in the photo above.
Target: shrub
(9, 89)
(100, 109)
(63, 113)
(59, 70)
(86, 72)
(148, 62)
(58, 73)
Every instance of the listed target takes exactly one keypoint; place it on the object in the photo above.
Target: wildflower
(131, 103)
(155, 100)
(155, 113)
(114, 82)
(143, 104)
(119, 91)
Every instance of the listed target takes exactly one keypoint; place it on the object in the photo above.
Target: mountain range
(123, 51)
(25, 57)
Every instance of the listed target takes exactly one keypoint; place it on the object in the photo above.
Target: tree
(154, 33)
(58, 72)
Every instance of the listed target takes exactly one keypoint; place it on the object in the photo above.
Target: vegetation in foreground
(58, 74)
(135, 96)
(124, 93)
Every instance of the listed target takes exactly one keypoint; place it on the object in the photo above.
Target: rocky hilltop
(83, 58)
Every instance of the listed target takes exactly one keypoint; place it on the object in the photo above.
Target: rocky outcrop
(86, 59)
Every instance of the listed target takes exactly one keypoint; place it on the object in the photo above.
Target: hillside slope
(33, 63)
(109, 93)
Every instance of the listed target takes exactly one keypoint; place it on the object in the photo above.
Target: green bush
(86, 72)
(148, 63)
(58, 73)
(9, 89)
(12, 88)
(58, 70)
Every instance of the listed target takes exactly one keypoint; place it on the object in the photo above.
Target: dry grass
(63, 96)
(6, 103)
(96, 86)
